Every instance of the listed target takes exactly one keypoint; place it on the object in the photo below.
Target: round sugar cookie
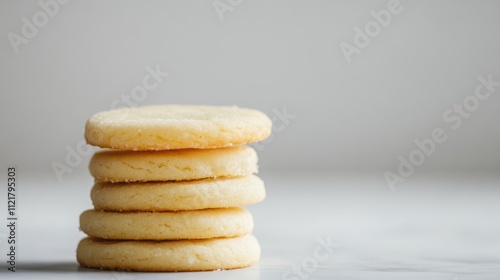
(181, 195)
(198, 224)
(168, 127)
(162, 256)
(174, 165)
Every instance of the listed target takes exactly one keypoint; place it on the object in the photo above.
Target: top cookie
(168, 127)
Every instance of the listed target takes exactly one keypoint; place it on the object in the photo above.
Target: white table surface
(443, 227)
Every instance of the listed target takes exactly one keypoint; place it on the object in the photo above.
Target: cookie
(173, 165)
(175, 196)
(199, 224)
(169, 127)
(181, 255)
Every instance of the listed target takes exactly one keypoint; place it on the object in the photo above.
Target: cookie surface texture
(175, 196)
(167, 127)
(200, 224)
(182, 255)
(173, 165)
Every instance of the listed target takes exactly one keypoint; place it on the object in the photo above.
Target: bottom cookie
(181, 255)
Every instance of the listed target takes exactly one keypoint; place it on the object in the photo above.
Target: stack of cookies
(169, 188)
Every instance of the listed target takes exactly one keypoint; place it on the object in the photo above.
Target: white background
(351, 121)
(266, 55)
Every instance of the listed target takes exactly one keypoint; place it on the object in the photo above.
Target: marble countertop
(311, 226)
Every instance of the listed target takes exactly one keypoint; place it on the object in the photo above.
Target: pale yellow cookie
(181, 255)
(181, 195)
(173, 165)
(169, 127)
(198, 224)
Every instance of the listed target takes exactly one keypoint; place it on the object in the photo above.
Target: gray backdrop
(87, 56)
